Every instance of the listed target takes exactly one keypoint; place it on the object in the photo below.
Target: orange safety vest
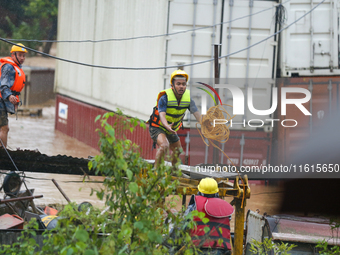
(218, 212)
(20, 78)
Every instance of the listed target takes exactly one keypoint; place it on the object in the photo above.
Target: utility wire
(147, 36)
(165, 67)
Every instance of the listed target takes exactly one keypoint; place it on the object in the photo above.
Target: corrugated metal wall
(248, 31)
(95, 20)
(76, 119)
(255, 151)
(310, 47)
(324, 103)
(193, 46)
(197, 45)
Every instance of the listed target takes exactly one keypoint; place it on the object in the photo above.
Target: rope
(150, 36)
(219, 133)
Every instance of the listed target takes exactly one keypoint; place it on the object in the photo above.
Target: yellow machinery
(239, 190)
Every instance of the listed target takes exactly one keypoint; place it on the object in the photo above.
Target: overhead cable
(165, 67)
(145, 36)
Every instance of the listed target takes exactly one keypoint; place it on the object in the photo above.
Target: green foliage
(137, 219)
(324, 249)
(26, 244)
(27, 31)
(34, 20)
(135, 192)
(263, 248)
(43, 9)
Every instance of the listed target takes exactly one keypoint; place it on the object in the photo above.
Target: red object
(80, 125)
(8, 221)
(324, 101)
(219, 223)
(50, 211)
(256, 150)
(218, 208)
(20, 78)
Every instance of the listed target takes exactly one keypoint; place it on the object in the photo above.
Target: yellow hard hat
(208, 186)
(180, 73)
(16, 48)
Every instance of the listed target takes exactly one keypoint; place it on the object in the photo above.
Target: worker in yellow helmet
(219, 214)
(12, 81)
(167, 116)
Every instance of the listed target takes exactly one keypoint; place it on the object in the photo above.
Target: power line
(145, 36)
(165, 67)
(100, 66)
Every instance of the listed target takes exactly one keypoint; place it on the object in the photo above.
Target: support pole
(61, 191)
(239, 226)
(215, 150)
(19, 199)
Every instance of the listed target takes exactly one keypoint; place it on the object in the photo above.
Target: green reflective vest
(174, 112)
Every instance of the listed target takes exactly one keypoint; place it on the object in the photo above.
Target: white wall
(132, 91)
(135, 91)
(310, 46)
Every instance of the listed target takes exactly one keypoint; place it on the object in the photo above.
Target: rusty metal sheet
(256, 150)
(301, 229)
(284, 237)
(8, 221)
(76, 119)
(324, 101)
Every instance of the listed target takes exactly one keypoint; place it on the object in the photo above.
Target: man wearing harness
(217, 240)
(12, 81)
(168, 114)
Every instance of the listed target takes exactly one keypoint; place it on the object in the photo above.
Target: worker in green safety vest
(167, 116)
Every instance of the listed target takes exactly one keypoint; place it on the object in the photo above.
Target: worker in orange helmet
(12, 81)
(217, 240)
(166, 118)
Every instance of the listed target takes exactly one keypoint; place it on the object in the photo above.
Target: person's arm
(193, 109)
(162, 106)
(165, 122)
(197, 116)
(6, 82)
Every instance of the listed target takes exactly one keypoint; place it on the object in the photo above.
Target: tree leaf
(89, 252)
(111, 132)
(155, 237)
(82, 235)
(139, 225)
(69, 251)
(143, 236)
(142, 125)
(129, 174)
(205, 220)
(206, 229)
(133, 187)
(97, 118)
(121, 163)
